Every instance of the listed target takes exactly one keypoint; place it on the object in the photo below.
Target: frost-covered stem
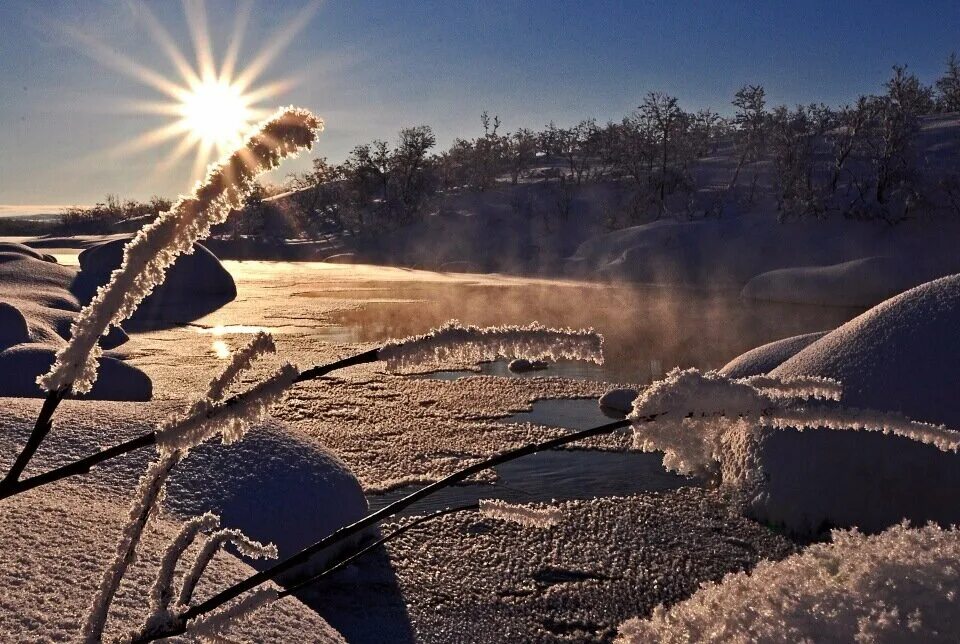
(213, 625)
(162, 593)
(240, 361)
(84, 465)
(157, 245)
(40, 430)
(386, 512)
(343, 563)
(213, 544)
(150, 489)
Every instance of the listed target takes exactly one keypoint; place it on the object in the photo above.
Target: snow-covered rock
(768, 356)
(859, 282)
(275, 485)
(901, 357)
(14, 248)
(22, 363)
(196, 283)
(899, 586)
(36, 312)
(619, 399)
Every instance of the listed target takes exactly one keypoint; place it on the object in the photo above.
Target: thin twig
(40, 430)
(11, 485)
(343, 563)
(386, 512)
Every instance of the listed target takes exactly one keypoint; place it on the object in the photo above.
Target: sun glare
(217, 114)
(211, 105)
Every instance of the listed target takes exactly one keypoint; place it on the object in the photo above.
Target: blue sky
(370, 68)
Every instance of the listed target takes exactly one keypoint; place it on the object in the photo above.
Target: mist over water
(648, 330)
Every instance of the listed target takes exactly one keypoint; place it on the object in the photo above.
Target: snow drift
(898, 586)
(768, 356)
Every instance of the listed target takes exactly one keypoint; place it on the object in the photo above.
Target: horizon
(440, 66)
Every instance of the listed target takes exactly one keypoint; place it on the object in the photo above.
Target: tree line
(857, 160)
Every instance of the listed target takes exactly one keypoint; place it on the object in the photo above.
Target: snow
(859, 282)
(896, 356)
(525, 515)
(768, 356)
(902, 585)
(56, 564)
(522, 365)
(195, 284)
(619, 399)
(156, 246)
(454, 342)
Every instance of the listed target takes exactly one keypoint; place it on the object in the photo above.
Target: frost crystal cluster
(156, 246)
(454, 342)
(899, 586)
(231, 419)
(525, 515)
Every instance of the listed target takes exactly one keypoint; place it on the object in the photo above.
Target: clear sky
(68, 110)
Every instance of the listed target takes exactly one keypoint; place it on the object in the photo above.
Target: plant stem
(40, 430)
(376, 544)
(384, 513)
(11, 485)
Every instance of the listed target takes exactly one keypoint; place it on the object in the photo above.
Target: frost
(693, 393)
(801, 387)
(213, 625)
(162, 593)
(144, 505)
(240, 361)
(901, 585)
(157, 245)
(947, 440)
(525, 515)
(230, 419)
(454, 342)
(214, 542)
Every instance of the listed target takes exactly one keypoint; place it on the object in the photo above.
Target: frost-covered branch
(157, 245)
(214, 624)
(230, 419)
(800, 387)
(454, 342)
(214, 542)
(525, 515)
(144, 505)
(162, 593)
(240, 361)
(947, 440)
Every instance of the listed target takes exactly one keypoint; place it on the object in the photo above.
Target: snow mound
(56, 565)
(898, 586)
(195, 285)
(22, 363)
(859, 282)
(274, 485)
(619, 399)
(898, 356)
(36, 311)
(768, 356)
(13, 248)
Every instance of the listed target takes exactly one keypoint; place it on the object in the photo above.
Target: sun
(217, 114)
(208, 104)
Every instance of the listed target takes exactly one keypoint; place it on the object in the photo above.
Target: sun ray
(208, 112)
(240, 21)
(200, 34)
(278, 42)
(163, 38)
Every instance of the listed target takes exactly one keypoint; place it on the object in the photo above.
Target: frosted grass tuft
(157, 245)
(454, 342)
(525, 515)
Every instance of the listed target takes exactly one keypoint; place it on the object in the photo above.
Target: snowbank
(21, 364)
(56, 564)
(196, 284)
(899, 586)
(731, 251)
(36, 311)
(8, 249)
(859, 282)
(768, 356)
(274, 485)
